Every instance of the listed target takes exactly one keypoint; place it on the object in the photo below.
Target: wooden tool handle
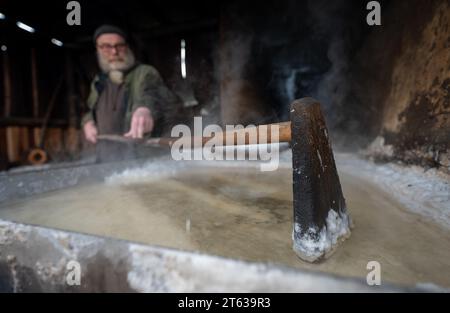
(261, 134)
(119, 138)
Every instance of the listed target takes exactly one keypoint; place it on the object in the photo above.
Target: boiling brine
(247, 214)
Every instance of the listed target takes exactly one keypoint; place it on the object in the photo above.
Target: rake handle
(230, 138)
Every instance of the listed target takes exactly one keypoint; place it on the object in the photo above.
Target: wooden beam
(31, 122)
(9, 136)
(34, 83)
(34, 90)
(70, 91)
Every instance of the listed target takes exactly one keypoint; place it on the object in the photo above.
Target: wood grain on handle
(231, 138)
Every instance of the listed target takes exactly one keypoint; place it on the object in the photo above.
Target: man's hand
(90, 132)
(141, 123)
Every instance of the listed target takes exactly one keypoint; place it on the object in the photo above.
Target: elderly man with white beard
(126, 98)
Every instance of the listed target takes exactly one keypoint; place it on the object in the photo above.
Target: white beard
(115, 70)
(116, 76)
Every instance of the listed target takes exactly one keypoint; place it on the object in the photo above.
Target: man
(126, 97)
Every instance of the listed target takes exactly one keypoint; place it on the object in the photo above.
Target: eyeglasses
(120, 47)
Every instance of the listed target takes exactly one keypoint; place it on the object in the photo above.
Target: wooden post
(70, 91)
(6, 85)
(10, 151)
(35, 92)
(71, 136)
(34, 83)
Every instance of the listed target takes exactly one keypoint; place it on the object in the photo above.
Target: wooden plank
(24, 140)
(72, 140)
(53, 142)
(3, 150)
(12, 138)
(37, 136)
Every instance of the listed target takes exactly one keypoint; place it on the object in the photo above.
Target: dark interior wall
(390, 81)
(399, 82)
(418, 126)
(49, 71)
(277, 51)
(20, 65)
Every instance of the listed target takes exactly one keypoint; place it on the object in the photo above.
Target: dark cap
(109, 29)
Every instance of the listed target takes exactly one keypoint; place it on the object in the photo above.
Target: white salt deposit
(151, 171)
(425, 192)
(316, 243)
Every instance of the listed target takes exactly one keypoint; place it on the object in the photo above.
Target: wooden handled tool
(261, 133)
(321, 220)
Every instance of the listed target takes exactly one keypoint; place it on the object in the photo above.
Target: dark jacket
(144, 87)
